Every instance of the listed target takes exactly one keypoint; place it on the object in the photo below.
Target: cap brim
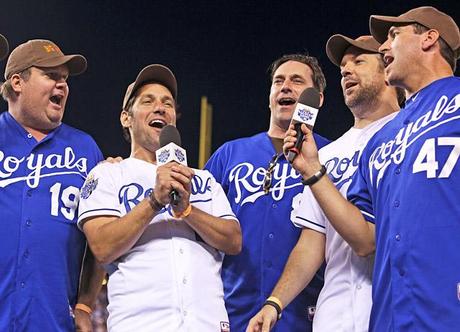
(3, 47)
(379, 26)
(337, 45)
(76, 63)
(153, 73)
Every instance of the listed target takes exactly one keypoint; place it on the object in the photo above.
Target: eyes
(393, 33)
(281, 80)
(56, 76)
(150, 101)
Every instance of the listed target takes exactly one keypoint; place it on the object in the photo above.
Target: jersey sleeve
(98, 196)
(307, 213)
(359, 193)
(216, 166)
(220, 206)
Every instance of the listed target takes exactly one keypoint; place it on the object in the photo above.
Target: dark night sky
(220, 49)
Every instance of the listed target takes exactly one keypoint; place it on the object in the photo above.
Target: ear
(430, 38)
(125, 119)
(16, 83)
(321, 99)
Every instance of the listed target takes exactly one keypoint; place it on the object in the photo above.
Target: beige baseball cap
(42, 53)
(337, 45)
(3, 47)
(429, 17)
(152, 73)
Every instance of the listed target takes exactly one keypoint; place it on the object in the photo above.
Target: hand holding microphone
(173, 175)
(305, 113)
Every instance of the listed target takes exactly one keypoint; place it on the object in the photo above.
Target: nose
(286, 86)
(61, 84)
(159, 108)
(346, 70)
(385, 46)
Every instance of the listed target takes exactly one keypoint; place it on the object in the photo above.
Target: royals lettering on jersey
(248, 180)
(346, 294)
(268, 236)
(407, 184)
(143, 287)
(394, 150)
(39, 184)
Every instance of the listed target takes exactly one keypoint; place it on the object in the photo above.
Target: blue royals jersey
(408, 184)
(268, 234)
(41, 245)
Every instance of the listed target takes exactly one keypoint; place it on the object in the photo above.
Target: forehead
(292, 68)
(353, 52)
(401, 27)
(154, 89)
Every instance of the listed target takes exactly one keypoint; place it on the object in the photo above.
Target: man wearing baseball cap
(410, 174)
(164, 258)
(43, 163)
(345, 300)
(407, 180)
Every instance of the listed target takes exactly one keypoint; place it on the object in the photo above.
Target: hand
(264, 320)
(112, 160)
(307, 161)
(174, 176)
(82, 321)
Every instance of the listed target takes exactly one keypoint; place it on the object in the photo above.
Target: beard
(363, 94)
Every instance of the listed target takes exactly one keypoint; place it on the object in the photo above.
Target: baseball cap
(427, 16)
(3, 47)
(152, 73)
(337, 45)
(42, 53)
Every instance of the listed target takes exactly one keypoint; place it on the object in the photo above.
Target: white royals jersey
(345, 301)
(170, 279)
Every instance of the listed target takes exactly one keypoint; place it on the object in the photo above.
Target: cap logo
(50, 48)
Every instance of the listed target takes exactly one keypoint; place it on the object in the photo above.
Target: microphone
(170, 150)
(306, 111)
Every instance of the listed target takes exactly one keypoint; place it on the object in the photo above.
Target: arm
(91, 278)
(111, 237)
(222, 234)
(304, 261)
(344, 216)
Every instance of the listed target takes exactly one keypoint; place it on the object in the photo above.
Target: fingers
(113, 160)
(173, 176)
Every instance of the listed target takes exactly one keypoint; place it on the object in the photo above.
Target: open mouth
(56, 99)
(350, 84)
(286, 101)
(157, 123)
(388, 59)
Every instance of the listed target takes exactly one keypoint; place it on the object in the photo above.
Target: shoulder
(320, 140)
(74, 134)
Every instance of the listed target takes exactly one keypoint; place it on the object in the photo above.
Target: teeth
(286, 101)
(157, 123)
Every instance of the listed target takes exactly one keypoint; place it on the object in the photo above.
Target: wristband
(84, 307)
(154, 204)
(184, 213)
(275, 303)
(315, 177)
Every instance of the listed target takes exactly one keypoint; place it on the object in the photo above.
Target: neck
(376, 109)
(37, 133)
(143, 154)
(424, 75)
(277, 131)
